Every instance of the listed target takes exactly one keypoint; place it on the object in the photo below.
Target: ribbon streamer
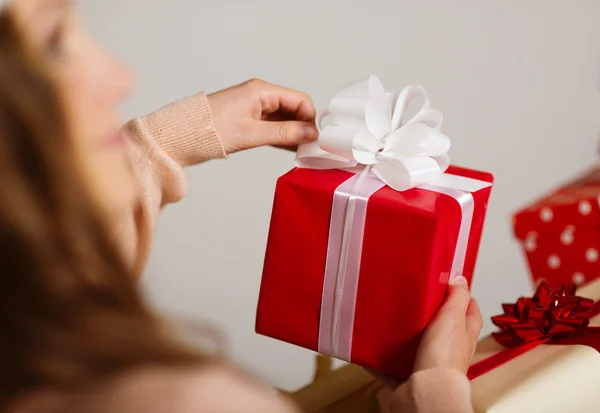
(348, 215)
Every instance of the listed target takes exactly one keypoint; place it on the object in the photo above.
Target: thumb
(474, 320)
(457, 298)
(287, 133)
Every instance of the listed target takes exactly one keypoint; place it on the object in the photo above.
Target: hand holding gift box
(545, 357)
(368, 230)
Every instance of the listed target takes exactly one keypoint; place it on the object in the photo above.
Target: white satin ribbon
(369, 126)
(342, 266)
(370, 133)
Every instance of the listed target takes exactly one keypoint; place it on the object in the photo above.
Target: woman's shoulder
(214, 389)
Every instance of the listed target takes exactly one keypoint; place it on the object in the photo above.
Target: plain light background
(518, 82)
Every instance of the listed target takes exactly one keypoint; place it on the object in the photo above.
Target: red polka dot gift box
(560, 233)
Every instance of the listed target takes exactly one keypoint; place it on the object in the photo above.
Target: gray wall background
(517, 81)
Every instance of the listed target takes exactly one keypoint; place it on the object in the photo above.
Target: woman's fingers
(287, 116)
(461, 310)
(257, 113)
(457, 298)
(284, 134)
(276, 98)
(474, 321)
(450, 339)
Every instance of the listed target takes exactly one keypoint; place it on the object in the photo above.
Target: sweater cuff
(185, 131)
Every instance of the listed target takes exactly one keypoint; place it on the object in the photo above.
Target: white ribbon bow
(367, 126)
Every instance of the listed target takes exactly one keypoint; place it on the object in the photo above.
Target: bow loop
(416, 140)
(378, 114)
(408, 96)
(369, 126)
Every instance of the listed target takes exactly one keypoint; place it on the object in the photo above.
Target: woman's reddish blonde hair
(70, 312)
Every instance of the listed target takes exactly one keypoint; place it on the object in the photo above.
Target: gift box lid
(574, 205)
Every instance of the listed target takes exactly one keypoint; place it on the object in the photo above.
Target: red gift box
(560, 233)
(410, 245)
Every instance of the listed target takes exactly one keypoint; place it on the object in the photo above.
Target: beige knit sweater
(179, 135)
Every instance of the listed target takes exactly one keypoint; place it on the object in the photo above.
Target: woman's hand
(257, 113)
(451, 337)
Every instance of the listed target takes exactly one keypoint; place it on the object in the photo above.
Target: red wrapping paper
(408, 247)
(560, 233)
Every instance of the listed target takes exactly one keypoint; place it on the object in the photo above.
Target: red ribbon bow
(551, 313)
(551, 316)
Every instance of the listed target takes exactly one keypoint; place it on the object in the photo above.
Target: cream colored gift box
(549, 378)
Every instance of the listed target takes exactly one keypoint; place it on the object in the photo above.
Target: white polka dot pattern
(567, 237)
(546, 214)
(531, 242)
(553, 261)
(558, 233)
(585, 208)
(578, 278)
(591, 254)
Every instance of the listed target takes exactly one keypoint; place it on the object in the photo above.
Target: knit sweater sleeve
(433, 391)
(163, 143)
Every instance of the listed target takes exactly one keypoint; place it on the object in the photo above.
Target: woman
(76, 334)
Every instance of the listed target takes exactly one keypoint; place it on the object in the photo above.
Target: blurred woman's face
(91, 84)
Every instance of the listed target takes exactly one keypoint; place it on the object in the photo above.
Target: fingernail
(461, 282)
(310, 133)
